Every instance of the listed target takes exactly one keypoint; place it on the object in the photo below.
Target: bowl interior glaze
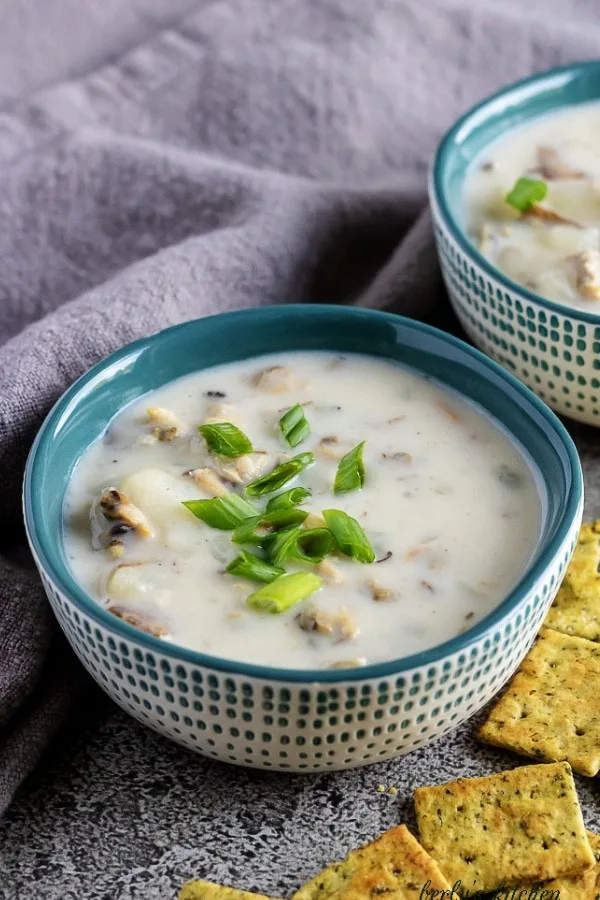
(84, 411)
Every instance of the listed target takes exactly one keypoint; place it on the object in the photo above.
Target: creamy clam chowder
(547, 235)
(342, 510)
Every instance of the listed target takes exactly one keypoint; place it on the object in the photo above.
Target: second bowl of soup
(515, 192)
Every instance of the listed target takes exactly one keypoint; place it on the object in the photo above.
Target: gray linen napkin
(251, 152)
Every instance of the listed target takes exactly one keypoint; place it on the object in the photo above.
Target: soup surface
(448, 510)
(552, 248)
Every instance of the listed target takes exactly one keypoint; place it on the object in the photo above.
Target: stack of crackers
(489, 835)
(515, 835)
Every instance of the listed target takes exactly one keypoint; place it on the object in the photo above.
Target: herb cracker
(551, 708)
(581, 887)
(394, 864)
(523, 825)
(576, 608)
(206, 890)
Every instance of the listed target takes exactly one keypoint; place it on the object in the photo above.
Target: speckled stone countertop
(116, 812)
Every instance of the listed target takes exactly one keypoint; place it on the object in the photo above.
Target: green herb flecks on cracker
(551, 708)
(581, 887)
(395, 866)
(206, 890)
(524, 825)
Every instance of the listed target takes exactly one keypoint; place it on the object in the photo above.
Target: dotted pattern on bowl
(297, 727)
(555, 355)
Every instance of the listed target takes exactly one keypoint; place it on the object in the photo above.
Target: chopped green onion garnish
(348, 535)
(284, 592)
(280, 475)
(255, 530)
(526, 192)
(225, 439)
(247, 565)
(311, 545)
(294, 426)
(278, 545)
(288, 498)
(305, 544)
(350, 475)
(225, 513)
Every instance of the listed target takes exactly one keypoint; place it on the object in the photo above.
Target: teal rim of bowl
(534, 85)
(44, 546)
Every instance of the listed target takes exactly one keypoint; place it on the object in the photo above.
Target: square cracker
(523, 825)
(394, 864)
(206, 890)
(551, 708)
(576, 608)
(581, 887)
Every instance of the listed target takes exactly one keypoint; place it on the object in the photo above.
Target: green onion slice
(349, 536)
(279, 544)
(255, 530)
(350, 475)
(304, 544)
(225, 513)
(288, 498)
(294, 426)
(284, 592)
(280, 475)
(312, 545)
(526, 192)
(247, 565)
(225, 439)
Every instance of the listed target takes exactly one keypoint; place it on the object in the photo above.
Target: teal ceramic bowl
(554, 349)
(279, 718)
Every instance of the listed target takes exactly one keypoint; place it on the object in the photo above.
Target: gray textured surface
(251, 152)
